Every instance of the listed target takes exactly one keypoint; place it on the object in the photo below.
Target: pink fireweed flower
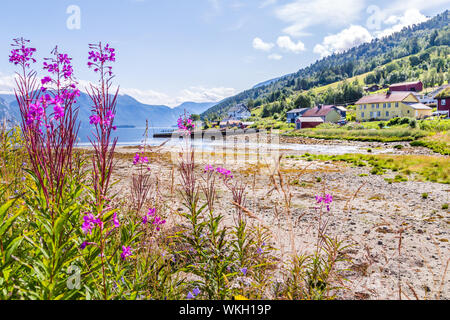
(90, 222)
(58, 111)
(94, 119)
(158, 222)
(139, 159)
(46, 80)
(224, 172)
(185, 124)
(22, 54)
(116, 221)
(327, 200)
(151, 213)
(126, 252)
(209, 168)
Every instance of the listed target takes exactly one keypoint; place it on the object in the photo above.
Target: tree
(303, 101)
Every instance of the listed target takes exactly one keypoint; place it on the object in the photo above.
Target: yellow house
(385, 106)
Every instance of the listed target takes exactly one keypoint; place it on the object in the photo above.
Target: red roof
(319, 111)
(406, 84)
(310, 119)
(393, 96)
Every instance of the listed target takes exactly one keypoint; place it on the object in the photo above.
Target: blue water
(135, 137)
(127, 136)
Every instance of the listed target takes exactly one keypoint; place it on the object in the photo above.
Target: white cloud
(259, 44)
(275, 56)
(399, 5)
(409, 17)
(192, 94)
(152, 97)
(285, 42)
(7, 83)
(267, 3)
(301, 14)
(346, 39)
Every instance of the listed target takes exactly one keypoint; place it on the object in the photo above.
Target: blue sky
(173, 51)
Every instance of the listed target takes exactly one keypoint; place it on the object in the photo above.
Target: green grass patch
(379, 135)
(422, 168)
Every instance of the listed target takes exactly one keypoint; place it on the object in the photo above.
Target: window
(387, 113)
(362, 114)
(384, 105)
(378, 106)
(396, 104)
(360, 107)
(365, 106)
(379, 114)
(371, 114)
(443, 102)
(389, 105)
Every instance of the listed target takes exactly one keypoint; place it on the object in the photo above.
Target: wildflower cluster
(22, 54)
(90, 223)
(139, 158)
(226, 174)
(106, 123)
(61, 64)
(327, 200)
(193, 294)
(126, 252)
(185, 124)
(157, 221)
(99, 56)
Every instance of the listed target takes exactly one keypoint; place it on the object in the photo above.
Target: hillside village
(400, 100)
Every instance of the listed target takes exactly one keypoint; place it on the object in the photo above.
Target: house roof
(445, 93)
(297, 110)
(419, 106)
(393, 96)
(309, 119)
(319, 111)
(239, 108)
(230, 121)
(405, 84)
(341, 108)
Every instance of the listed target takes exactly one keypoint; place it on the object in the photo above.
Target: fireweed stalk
(49, 120)
(49, 127)
(102, 118)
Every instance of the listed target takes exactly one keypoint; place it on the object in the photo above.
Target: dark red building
(416, 86)
(443, 100)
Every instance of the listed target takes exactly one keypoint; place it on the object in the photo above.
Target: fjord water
(135, 136)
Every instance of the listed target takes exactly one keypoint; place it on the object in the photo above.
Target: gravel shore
(399, 239)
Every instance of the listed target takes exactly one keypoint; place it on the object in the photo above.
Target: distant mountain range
(130, 112)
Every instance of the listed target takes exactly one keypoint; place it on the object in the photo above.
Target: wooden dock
(205, 133)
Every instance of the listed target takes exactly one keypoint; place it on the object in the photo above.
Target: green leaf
(8, 223)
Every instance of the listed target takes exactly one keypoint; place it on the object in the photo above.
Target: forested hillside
(419, 51)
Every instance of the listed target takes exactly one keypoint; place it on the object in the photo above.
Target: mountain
(356, 61)
(129, 111)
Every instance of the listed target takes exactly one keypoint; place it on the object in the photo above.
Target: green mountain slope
(360, 60)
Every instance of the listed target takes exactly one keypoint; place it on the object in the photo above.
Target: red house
(443, 99)
(416, 86)
(308, 122)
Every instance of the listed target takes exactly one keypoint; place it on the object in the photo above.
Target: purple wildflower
(116, 221)
(126, 252)
(90, 222)
(190, 296)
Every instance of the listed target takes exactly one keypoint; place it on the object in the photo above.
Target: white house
(239, 112)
